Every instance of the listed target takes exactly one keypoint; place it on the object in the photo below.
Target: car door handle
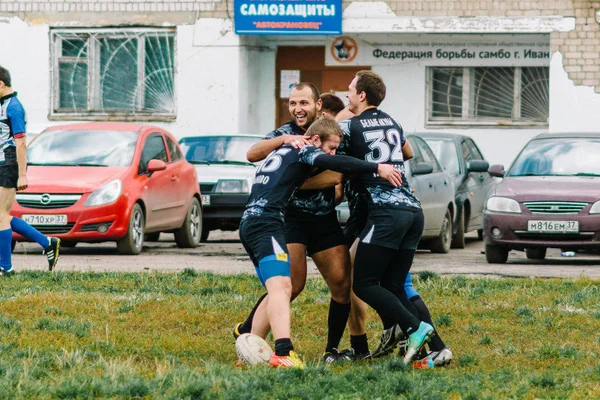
(481, 178)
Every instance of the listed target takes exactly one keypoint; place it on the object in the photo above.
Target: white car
(225, 177)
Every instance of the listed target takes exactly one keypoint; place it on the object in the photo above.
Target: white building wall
(572, 108)
(406, 102)
(28, 61)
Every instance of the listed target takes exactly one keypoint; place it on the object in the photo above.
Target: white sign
(289, 77)
(440, 50)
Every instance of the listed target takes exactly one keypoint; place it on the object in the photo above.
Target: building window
(127, 73)
(488, 96)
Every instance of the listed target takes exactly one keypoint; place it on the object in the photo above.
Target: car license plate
(45, 219)
(553, 226)
(206, 200)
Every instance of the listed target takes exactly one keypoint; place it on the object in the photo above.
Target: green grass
(168, 336)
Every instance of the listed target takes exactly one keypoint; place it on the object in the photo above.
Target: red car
(549, 198)
(100, 181)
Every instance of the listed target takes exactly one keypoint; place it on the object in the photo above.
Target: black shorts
(393, 228)
(316, 232)
(9, 175)
(354, 225)
(262, 238)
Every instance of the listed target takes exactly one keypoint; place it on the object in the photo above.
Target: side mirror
(478, 166)
(156, 165)
(497, 170)
(422, 168)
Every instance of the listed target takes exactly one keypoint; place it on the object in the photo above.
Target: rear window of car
(445, 151)
(101, 148)
(173, 150)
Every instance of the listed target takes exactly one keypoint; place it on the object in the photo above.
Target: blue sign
(288, 17)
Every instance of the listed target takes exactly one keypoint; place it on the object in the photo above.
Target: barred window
(488, 95)
(113, 72)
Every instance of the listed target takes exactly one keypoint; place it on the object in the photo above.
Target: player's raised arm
(347, 164)
(259, 151)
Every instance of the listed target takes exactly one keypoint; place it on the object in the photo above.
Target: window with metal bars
(488, 95)
(113, 72)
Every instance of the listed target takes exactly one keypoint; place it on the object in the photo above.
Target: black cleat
(390, 338)
(334, 356)
(7, 273)
(52, 252)
(236, 330)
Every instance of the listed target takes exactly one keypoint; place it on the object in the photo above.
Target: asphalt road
(223, 253)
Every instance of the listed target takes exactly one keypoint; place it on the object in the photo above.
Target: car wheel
(458, 241)
(68, 243)
(480, 234)
(134, 238)
(152, 237)
(205, 233)
(537, 253)
(189, 234)
(441, 244)
(12, 245)
(496, 254)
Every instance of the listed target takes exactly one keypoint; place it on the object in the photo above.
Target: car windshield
(91, 148)
(217, 149)
(558, 157)
(445, 151)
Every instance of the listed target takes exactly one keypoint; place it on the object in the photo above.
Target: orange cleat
(291, 361)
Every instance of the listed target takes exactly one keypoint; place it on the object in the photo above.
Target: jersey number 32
(386, 146)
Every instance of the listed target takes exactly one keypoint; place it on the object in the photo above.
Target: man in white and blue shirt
(13, 167)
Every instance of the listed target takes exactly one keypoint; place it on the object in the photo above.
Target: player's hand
(22, 183)
(389, 172)
(296, 141)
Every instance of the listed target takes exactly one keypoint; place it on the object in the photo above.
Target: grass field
(152, 335)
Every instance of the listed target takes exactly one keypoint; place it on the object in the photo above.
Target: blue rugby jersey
(12, 125)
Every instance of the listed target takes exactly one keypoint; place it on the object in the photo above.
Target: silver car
(225, 177)
(435, 189)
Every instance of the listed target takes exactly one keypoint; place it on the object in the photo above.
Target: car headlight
(106, 194)
(595, 208)
(232, 186)
(503, 204)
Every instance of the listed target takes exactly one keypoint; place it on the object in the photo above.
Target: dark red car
(100, 181)
(550, 197)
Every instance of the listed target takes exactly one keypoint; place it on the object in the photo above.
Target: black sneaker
(52, 252)
(8, 273)
(236, 330)
(389, 340)
(334, 356)
(352, 355)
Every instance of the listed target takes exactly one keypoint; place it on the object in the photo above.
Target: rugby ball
(252, 349)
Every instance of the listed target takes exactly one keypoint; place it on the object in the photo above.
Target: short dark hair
(5, 76)
(324, 128)
(332, 103)
(313, 88)
(373, 86)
